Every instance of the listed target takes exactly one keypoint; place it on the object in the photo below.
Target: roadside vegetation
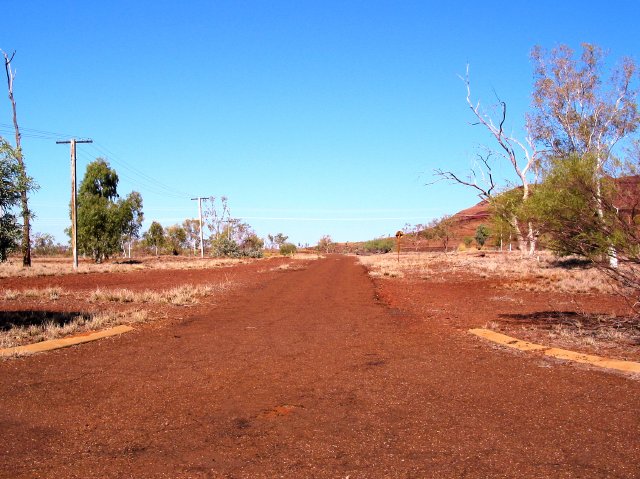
(546, 273)
(35, 325)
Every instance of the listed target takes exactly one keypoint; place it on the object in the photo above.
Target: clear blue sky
(313, 117)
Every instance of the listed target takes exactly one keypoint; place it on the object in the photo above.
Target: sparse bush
(287, 249)
(482, 234)
(223, 247)
(467, 240)
(379, 245)
(252, 246)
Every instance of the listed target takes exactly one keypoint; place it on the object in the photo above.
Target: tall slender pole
(201, 233)
(74, 203)
(74, 206)
(200, 198)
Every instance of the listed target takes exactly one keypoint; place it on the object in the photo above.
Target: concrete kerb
(510, 342)
(64, 342)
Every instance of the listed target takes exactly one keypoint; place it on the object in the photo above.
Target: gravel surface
(312, 372)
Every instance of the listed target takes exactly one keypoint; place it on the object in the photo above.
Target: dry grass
(34, 326)
(532, 274)
(51, 294)
(55, 268)
(578, 331)
(196, 263)
(307, 256)
(180, 295)
(62, 266)
(288, 267)
(58, 328)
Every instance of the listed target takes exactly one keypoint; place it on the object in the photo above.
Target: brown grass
(180, 295)
(594, 332)
(30, 327)
(532, 274)
(62, 266)
(51, 294)
(35, 333)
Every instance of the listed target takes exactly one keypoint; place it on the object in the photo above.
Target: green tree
(154, 237)
(440, 229)
(482, 234)
(176, 239)
(224, 247)
(275, 241)
(566, 205)
(379, 245)
(592, 217)
(288, 249)
(132, 218)
(192, 229)
(252, 245)
(44, 244)
(578, 111)
(325, 244)
(101, 218)
(11, 178)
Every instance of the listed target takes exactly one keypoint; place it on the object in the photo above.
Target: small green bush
(223, 247)
(287, 249)
(482, 234)
(379, 245)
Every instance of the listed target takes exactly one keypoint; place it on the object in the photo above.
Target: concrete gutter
(508, 341)
(64, 342)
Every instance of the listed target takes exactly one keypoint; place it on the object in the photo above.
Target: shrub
(222, 246)
(379, 245)
(482, 233)
(287, 249)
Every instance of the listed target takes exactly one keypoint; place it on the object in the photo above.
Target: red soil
(316, 372)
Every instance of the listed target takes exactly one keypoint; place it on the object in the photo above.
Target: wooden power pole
(74, 204)
(200, 198)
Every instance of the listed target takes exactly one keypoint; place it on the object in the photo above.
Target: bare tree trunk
(519, 237)
(26, 214)
(532, 239)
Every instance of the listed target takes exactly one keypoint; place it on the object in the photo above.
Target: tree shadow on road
(22, 319)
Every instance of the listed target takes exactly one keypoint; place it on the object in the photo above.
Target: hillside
(466, 222)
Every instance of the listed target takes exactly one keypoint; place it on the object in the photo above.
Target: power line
(151, 182)
(136, 175)
(35, 133)
(140, 183)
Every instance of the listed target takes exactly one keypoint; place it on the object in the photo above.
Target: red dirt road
(305, 373)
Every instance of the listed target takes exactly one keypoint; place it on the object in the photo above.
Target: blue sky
(312, 117)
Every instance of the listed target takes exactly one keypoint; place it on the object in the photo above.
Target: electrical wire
(136, 176)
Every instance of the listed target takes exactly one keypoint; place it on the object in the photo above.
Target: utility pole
(74, 205)
(200, 198)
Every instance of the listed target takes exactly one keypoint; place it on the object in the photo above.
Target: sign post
(399, 234)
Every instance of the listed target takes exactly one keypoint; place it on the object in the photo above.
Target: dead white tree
(24, 180)
(522, 156)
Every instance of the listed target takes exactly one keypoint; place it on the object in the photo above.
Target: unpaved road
(308, 374)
